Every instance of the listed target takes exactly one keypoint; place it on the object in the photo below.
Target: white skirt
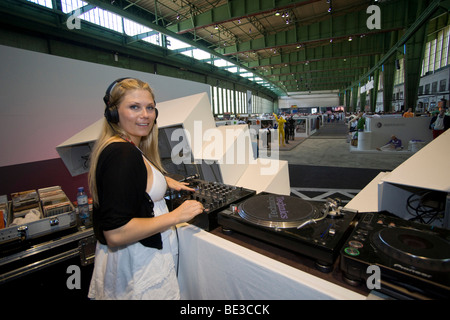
(136, 272)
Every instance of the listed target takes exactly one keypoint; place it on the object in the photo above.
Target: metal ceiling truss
(24, 14)
(297, 45)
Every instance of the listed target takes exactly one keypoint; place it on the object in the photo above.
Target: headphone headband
(107, 96)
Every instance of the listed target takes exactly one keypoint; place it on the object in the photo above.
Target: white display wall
(47, 99)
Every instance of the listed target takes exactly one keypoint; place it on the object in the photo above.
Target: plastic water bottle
(83, 205)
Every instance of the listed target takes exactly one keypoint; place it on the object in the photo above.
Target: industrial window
(436, 52)
(200, 54)
(239, 108)
(219, 100)
(399, 75)
(130, 28)
(45, 3)
(434, 87)
(439, 44)
(443, 85)
(432, 55)
(445, 41)
(97, 16)
(214, 104)
(71, 5)
(426, 59)
(230, 101)
(104, 18)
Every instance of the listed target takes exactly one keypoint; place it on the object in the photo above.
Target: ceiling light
(350, 38)
(277, 13)
(216, 27)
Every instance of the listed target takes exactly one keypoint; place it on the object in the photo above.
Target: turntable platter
(277, 211)
(414, 247)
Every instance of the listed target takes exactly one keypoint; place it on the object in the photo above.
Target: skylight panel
(104, 18)
(68, 6)
(220, 63)
(154, 39)
(233, 69)
(187, 53)
(174, 44)
(247, 75)
(45, 3)
(132, 28)
(200, 54)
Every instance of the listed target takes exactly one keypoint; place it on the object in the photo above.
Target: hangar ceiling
(297, 47)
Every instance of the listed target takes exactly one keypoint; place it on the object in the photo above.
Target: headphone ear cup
(111, 114)
(156, 112)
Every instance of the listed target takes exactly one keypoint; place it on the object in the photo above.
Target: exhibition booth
(378, 130)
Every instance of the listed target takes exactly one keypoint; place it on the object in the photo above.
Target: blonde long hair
(110, 132)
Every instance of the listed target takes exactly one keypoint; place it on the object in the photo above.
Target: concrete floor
(329, 147)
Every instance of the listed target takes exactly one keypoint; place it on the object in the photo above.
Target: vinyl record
(277, 211)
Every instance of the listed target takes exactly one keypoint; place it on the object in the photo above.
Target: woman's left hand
(177, 185)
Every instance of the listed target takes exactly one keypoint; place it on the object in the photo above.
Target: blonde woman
(137, 247)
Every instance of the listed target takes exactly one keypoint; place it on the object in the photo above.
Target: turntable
(312, 229)
(414, 259)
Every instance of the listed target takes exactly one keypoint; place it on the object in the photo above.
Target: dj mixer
(214, 196)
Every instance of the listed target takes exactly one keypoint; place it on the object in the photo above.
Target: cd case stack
(34, 213)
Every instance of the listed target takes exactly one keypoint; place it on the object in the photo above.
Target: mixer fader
(214, 196)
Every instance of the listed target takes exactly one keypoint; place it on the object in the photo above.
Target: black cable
(419, 211)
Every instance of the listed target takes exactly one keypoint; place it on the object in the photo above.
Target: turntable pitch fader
(214, 196)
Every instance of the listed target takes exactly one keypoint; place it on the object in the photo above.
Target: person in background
(291, 127)
(286, 132)
(408, 114)
(281, 121)
(361, 122)
(439, 123)
(394, 144)
(137, 249)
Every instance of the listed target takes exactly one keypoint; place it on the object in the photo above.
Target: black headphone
(111, 114)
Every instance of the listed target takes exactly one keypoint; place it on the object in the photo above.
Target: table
(212, 267)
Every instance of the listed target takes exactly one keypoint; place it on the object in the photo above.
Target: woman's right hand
(188, 210)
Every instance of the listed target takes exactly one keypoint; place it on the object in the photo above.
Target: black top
(446, 121)
(121, 185)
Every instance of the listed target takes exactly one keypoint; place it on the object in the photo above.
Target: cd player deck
(414, 258)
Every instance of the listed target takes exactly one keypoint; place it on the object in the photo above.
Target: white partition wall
(47, 99)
